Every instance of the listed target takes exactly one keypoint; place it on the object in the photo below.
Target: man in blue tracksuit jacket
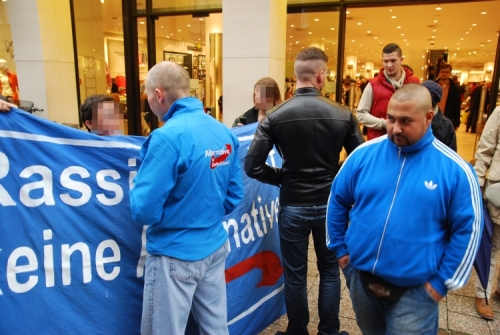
(190, 177)
(404, 218)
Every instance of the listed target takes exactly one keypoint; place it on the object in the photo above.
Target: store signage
(72, 258)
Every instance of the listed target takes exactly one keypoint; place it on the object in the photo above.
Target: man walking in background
(372, 108)
(450, 101)
(309, 132)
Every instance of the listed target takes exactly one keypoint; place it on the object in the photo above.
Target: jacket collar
(421, 145)
(307, 91)
(183, 105)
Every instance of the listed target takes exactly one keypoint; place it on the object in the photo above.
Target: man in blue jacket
(189, 179)
(415, 215)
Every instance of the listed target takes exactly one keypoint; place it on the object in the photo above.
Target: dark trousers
(295, 225)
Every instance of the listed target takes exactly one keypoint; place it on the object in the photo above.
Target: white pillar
(369, 70)
(351, 63)
(488, 70)
(43, 42)
(254, 46)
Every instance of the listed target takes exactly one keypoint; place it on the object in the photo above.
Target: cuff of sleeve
(341, 251)
(438, 284)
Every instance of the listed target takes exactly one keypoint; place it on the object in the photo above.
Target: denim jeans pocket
(184, 270)
(293, 226)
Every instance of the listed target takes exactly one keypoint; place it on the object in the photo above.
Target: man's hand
(343, 261)
(432, 292)
(5, 106)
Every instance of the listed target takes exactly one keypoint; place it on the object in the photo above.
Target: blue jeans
(173, 288)
(415, 313)
(295, 226)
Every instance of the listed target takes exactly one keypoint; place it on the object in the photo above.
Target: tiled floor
(457, 313)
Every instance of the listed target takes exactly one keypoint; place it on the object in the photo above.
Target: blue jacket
(190, 177)
(416, 213)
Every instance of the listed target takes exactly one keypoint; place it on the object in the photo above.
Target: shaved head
(169, 77)
(417, 93)
(309, 62)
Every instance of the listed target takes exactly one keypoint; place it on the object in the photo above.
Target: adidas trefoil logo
(430, 185)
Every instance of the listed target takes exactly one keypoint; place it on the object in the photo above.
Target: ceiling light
(435, 21)
(102, 1)
(291, 36)
(434, 30)
(458, 48)
(462, 39)
(141, 22)
(375, 37)
(162, 27)
(489, 40)
(359, 23)
(483, 13)
(296, 42)
(369, 31)
(316, 20)
(466, 33)
(393, 17)
(201, 19)
(332, 28)
(347, 12)
(189, 25)
(353, 40)
(402, 34)
(390, 10)
(310, 33)
(399, 27)
(438, 7)
(168, 36)
(292, 25)
(179, 30)
(474, 24)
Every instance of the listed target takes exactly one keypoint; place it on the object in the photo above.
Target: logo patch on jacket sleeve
(219, 157)
(430, 185)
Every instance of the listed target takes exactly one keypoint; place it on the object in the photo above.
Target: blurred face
(407, 122)
(263, 97)
(392, 64)
(444, 74)
(107, 118)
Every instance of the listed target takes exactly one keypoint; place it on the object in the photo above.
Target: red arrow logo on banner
(267, 261)
(216, 161)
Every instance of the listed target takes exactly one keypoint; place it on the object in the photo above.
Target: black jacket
(444, 130)
(251, 115)
(453, 103)
(309, 132)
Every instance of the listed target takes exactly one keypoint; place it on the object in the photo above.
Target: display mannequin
(8, 83)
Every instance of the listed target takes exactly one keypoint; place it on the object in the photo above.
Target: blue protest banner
(71, 257)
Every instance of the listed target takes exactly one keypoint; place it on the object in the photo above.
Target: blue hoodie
(416, 213)
(190, 177)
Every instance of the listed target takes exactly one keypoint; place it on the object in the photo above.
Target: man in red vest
(372, 108)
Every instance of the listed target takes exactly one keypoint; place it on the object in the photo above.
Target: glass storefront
(186, 39)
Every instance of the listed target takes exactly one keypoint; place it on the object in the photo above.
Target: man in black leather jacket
(309, 132)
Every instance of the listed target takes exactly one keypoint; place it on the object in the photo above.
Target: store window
(100, 50)
(319, 29)
(185, 39)
(9, 87)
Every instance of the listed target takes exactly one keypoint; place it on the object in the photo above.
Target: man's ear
(88, 123)
(160, 96)
(319, 77)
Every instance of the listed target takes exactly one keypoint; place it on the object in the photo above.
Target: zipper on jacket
(399, 152)
(390, 211)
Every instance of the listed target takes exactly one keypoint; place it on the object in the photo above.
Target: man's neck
(397, 75)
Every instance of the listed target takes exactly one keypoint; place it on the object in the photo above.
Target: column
(43, 42)
(254, 46)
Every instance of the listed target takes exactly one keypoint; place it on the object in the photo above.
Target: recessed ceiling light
(433, 29)
(316, 20)
(399, 27)
(162, 27)
(296, 42)
(458, 48)
(393, 17)
(347, 12)
(483, 13)
(291, 36)
(474, 24)
(489, 40)
(369, 31)
(466, 33)
(375, 37)
(438, 7)
(200, 19)
(179, 30)
(470, 28)
(433, 37)
(359, 23)
(462, 39)
(168, 36)
(390, 10)
(141, 22)
(332, 28)
(310, 33)
(435, 21)
(353, 40)
(402, 34)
